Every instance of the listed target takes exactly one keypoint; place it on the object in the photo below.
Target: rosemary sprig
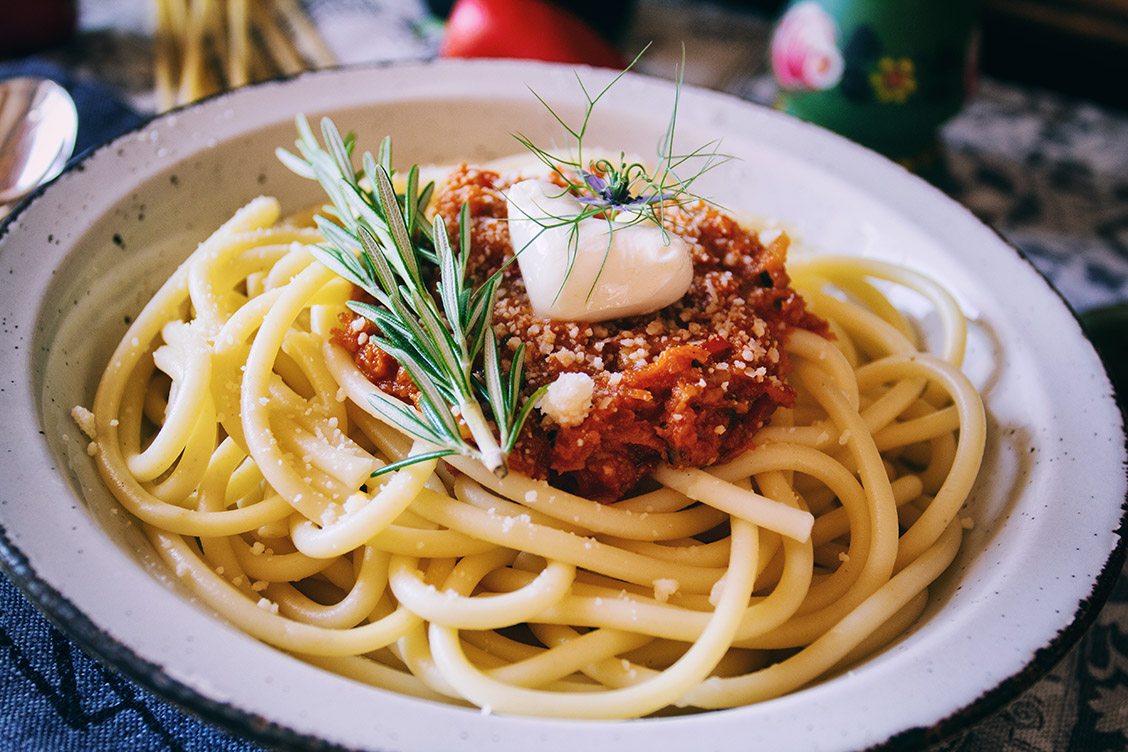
(383, 243)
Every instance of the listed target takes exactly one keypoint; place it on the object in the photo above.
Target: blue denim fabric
(55, 698)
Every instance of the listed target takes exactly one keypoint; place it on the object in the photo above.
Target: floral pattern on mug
(804, 49)
(894, 80)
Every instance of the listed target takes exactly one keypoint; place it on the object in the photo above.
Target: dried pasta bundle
(206, 46)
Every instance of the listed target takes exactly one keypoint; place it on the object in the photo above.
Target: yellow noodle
(230, 424)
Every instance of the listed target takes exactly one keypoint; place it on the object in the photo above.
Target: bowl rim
(228, 716)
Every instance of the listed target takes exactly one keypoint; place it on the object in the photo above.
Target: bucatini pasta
(233, 426)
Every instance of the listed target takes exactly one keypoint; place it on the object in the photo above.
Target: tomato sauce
(688, 385)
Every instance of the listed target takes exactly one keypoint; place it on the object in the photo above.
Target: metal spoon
(38, 127)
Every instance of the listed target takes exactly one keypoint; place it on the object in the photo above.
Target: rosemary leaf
(522, 415)
(450, 285)
(437, 454)
(403, 416)
(493, 380)
(440, 332)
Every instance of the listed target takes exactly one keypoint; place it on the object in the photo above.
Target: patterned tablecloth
(1049, 173)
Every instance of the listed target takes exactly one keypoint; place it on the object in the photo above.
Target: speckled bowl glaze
(84, 255)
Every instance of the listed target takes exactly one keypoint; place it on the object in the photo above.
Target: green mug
(884, 73)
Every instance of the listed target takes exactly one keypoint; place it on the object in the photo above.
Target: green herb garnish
(441, 333)
(625, 192)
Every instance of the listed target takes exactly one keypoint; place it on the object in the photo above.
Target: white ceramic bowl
(83, 257)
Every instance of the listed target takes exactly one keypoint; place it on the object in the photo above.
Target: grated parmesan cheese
(770, 235)
(568, 399)
(664, 587)
(85, 421)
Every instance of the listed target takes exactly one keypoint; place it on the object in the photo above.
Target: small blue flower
(596, 183)
(615, 191)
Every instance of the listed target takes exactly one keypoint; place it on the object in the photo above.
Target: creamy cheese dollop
(620, 268)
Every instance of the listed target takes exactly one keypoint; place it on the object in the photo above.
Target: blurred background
(1076, 47)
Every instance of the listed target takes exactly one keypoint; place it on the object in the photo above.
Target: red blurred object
(527, 29)
(33, 25)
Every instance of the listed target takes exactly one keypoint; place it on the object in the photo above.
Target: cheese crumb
(85, 420)
(769, 236)
(568, 399)
(355, 502)
(715, 592)
(664, 587)
(331, 514)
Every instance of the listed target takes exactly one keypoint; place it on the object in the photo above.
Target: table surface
(1049, 173)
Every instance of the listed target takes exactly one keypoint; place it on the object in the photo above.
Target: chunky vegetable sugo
(688, 385)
